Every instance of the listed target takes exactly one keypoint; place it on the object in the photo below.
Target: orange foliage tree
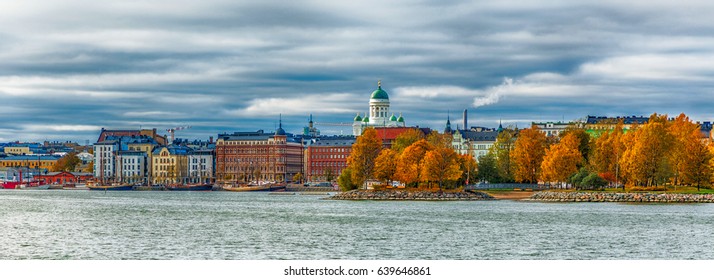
(405, 139)
(364, 154)
(440, 164)
(562, 159)
(696, 167)
(528, 154)
(385, 168)
(410, 162)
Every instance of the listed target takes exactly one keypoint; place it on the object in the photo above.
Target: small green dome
(366, 119)
(358, 118)
(393, 118)
(400, 119)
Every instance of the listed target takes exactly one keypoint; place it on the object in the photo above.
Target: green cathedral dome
(358, 118)
(379, 93)
(393, 118)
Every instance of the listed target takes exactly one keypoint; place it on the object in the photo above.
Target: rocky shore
(405, 195)
(622, 197)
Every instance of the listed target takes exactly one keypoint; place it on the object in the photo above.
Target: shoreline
(410, 195)
(548, 196)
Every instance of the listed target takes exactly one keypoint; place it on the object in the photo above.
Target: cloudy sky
(71, 67)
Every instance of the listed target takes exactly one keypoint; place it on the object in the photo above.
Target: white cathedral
(379, 115)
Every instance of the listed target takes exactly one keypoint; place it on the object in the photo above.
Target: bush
(593, 181)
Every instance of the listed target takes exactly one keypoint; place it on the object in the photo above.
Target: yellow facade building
(169, 165)
(29, 161)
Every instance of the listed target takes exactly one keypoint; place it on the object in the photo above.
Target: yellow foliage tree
(681, 128)
(696, 168)
(385, 168)
(528, 154)
(645, 162)
(561, 160)
(410, 162)
(364, 153)
(441, 164)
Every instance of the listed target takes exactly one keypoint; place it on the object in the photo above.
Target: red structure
(63, 178)
(327, 157)
(388, 134)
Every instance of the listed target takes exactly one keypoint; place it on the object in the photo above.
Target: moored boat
(254, 188)
(190, 187)
(121, 187)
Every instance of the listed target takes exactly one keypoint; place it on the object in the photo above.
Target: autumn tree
(297, 177)
(527, 155)
(364, 153)
(440, 140)
(646, 161)
(696, 167)
(680, 129)
(584, 145)
(469, 168)
(405, 139)
(385, 168)
(410, 162)
(562, 160)
(67, 163)
(441, 164)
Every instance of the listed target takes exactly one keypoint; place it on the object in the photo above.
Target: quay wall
(622, 197)
(406, 195)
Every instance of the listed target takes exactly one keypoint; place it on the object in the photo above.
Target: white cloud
(316, 103)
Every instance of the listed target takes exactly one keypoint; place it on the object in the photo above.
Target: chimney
(466, 119)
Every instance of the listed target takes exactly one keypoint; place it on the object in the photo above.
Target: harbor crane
(174, 129)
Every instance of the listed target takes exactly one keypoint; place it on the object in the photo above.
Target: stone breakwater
(622, 197)
(404, 195)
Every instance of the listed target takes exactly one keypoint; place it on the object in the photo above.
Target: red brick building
(327, 157)
(63, 177)
(258, 156)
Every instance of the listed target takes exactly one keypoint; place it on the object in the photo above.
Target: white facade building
(133, 166)
(200, 166)
(105, 159)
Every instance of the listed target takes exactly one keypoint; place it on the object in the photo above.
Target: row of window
(328, 156)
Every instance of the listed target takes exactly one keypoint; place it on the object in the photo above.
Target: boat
(119, 187)
(190, 187)
(254, 188)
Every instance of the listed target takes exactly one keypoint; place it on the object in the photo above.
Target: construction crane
(333, 124)
(172, 130)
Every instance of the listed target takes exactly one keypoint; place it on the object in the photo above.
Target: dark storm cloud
(68, 68)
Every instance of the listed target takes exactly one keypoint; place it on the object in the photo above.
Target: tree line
(661, 152)
(415, 160)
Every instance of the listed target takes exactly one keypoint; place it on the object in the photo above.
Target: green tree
(501, 150)
(406, 139)
(364, 153)
(487, 169)
(329, 174)
(345, 180)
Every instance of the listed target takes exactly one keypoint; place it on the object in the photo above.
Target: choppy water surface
(223, 225)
